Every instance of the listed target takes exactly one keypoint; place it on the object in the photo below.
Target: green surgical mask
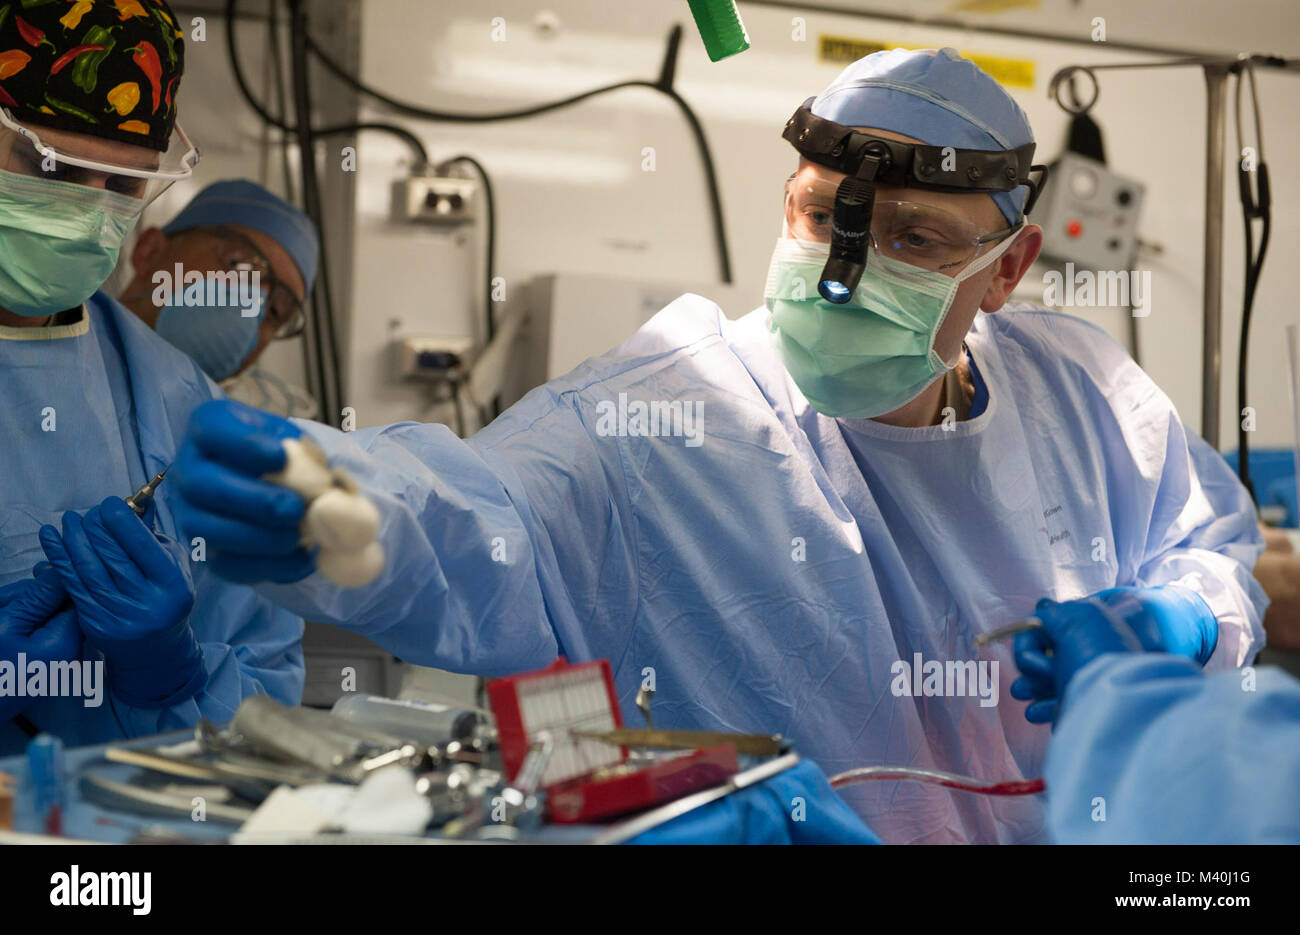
(873, 354)
(59, 242)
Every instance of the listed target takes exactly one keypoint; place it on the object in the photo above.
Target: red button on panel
(1074, 228)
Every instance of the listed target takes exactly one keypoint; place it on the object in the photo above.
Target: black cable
(1252, 208)
(316, 352)
(425, 113)
(320, 349)
(273, 31)
(322, 299)
(1243, 447)
(300, 38)
(310, 377)
(311, 343)
(269, 64)
(455, 405)
(711, 178)
(421, 154)
(1135, 346)
(490, 324)
(663, 86)
(489, 314)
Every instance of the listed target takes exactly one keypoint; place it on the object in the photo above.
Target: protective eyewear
(868, 161)
(284, 309)
(23, 152)
(919, 234)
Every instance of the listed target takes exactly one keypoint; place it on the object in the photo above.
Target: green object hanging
(720, 27)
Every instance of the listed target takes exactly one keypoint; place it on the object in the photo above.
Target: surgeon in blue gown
(787, 559)
(95, 403)
(1150, 749)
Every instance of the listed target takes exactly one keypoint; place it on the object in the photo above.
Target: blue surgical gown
(92, 410)
(785, 572)
(1150, 750)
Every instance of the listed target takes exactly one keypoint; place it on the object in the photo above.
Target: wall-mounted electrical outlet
(428, 199)
(432, 358)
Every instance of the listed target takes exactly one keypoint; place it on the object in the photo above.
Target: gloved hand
(36, 620)
(133, 595)
(1168, 619)
(250, 526)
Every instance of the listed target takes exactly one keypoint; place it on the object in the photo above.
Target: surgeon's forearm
(231, 677)
(1230, 591)
(459, 589)
(1210, 546)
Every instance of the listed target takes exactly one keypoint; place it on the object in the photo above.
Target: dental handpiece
(1029, 623)
(139, 501)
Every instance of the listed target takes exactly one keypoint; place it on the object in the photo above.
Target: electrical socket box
(432, 358)
(429, 199)
(1089, 214)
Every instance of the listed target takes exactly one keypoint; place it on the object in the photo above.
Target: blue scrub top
(93, 409)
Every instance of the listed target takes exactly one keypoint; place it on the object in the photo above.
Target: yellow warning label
(840, 50)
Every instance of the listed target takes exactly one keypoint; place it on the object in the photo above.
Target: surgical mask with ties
(874, 353)
(59, 241)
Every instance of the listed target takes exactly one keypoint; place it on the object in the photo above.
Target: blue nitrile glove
(37, 621)
(1169, 619)
(133, 594)
(797, 806)
(249, 526)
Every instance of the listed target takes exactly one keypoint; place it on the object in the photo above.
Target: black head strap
(913, 165)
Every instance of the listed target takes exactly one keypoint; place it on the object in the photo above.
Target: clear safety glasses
(23, 152)
(911, 232)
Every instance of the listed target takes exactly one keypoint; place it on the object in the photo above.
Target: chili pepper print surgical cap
(108, 68)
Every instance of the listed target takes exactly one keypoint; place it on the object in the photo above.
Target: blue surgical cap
(239, 201)
(938, 98)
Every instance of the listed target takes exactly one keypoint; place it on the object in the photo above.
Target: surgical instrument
(343, 750)
(251, 780)
(643, 698)
(746, 744)
(665, 813)
(1001, 633)
(139, 501)
(165, 803)
(418, 721)
(939, 777)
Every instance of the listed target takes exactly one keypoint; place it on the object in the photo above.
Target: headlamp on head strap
(868, 161)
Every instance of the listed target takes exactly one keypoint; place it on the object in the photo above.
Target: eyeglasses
(236, 252)
(918, 234)
(24, 153)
